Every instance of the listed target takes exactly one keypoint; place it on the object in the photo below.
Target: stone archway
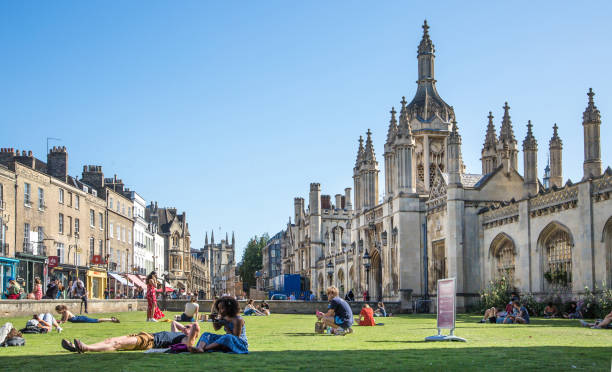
(503, 257)
(607, 240)
(375, 287)
(555, 244)
(351, 279)
(340, 282)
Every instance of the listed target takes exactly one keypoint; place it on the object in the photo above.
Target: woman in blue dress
(234, 340)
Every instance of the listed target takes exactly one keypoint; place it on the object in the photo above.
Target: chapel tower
(591, 122)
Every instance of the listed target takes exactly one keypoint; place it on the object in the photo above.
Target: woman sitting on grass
(250, 309)
(234, 340)
(490, 315)
(550, 311)
(191, 311)
(67, 316)
(380, 310)
(366, 316)
(574, 311)
(264, 308)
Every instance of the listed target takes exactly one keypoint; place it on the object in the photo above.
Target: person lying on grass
(233, 341)
(67, 316)
(339, 316)
(45, 321)
(179, 334)
(604, 323)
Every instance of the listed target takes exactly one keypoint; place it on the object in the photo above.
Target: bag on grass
(33, 330)
(177, 348)
(14, 341)
(319, 327)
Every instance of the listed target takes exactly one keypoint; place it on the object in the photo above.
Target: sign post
(446, 311)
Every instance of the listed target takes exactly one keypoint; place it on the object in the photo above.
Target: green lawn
(287, 342)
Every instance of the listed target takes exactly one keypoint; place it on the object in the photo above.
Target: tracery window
(558, 269)
(504, 261)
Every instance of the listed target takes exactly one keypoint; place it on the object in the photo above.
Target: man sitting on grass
(605, 323)
(179, 334)
(339, 316)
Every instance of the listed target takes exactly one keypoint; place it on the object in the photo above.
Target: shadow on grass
(437, 357)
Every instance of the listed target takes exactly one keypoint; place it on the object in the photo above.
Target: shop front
(67, 274)
(29, 268)
(118, 286)
(8, 270)
(96, 282)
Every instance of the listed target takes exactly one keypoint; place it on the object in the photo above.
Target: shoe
(339, 332)
(153, 320)
(78, 345)
(481, 321)
(350, 330)
(59, 329)
(68, 346)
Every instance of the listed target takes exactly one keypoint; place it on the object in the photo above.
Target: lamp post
(367, 265)
(164, 289)
(330, 272)
(76, 250)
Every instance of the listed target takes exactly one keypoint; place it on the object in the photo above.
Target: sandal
(78, 345)
(68, 346)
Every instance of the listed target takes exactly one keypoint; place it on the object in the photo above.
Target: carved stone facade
(436, 220)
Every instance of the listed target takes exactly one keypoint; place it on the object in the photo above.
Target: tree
(252, 260)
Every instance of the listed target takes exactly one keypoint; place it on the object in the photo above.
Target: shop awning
(121, 279)
(136, 281)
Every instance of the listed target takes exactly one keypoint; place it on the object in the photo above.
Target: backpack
(14, 341)
(33, 330)
(319, 327)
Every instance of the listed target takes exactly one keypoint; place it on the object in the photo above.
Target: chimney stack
(57, 163)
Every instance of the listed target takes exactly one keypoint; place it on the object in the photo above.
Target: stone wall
(282, 307)
(10, 308)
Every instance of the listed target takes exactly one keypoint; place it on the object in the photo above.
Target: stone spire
(555, 147)
(530, 158)
(360, 153)
(454, 158)
(392, 127)
(427, 103)
(489, 148)
(403, 113)
(226, 238)
(506, 137)
(233, 240)
(591, 123)
(369, 155)
(212, 237)
(206, 239)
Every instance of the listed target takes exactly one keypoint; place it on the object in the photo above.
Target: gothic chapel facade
(436, 220)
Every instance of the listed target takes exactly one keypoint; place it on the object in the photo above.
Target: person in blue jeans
(67, 316)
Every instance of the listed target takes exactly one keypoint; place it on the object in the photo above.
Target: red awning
(137, 281)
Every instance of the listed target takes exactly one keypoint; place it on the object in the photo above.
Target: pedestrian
(14, 290)
(80, 292)
(52, 289)
(153, 312)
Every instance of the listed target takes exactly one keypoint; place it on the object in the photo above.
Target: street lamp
(330, 271)
(76, 251)
(367, 265)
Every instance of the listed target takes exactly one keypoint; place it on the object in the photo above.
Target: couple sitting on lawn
(261, 310)
(234, 340)
(515, 313)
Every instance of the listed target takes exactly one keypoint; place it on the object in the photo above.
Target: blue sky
(228, 109)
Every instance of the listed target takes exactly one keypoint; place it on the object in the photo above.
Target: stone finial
(591, 114)
(507, 132)
(392, 127)
(555, 141)
(369, 148)
(530, 142)
(360, 153)
(491, 135)
(426, 46)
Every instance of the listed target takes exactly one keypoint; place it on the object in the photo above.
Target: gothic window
(438, 264)
(504, 260)
(432, 174)
(558, 262)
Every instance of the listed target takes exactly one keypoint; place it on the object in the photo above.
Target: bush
(496, 294)
(534, 307)
(598, 302)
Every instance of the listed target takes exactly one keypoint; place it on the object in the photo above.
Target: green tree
(252, 260)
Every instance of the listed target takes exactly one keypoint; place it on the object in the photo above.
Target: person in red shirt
(366, 316)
